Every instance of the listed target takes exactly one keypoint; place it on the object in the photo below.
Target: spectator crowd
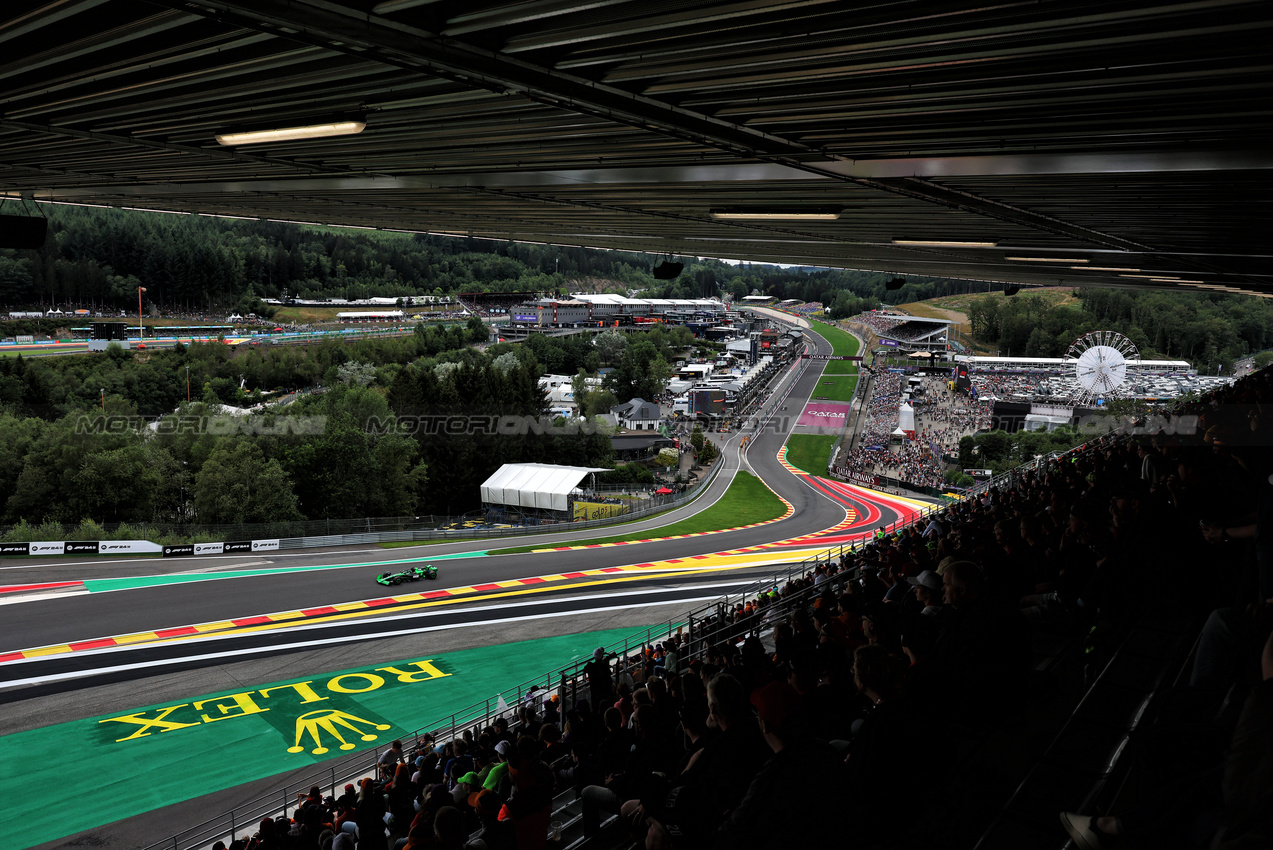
(832, 710)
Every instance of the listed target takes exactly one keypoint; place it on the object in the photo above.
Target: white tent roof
(534, 485)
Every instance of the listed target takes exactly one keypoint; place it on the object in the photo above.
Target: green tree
(708, 453)
(610, 346)
(237, 484)
(642, 373)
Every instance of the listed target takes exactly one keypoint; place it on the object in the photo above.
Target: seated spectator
(529, 806)
(650, 753)
(459, 764)
(684, 810)
(450, 833)
(984, 645)
(884, 754)
(928, 592)
(390, 760)
(763, 817)
(370, 817)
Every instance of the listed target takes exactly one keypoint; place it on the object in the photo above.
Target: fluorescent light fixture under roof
(1150, 276)
(938, 243)
(284, 134)
(1104, 269)
(776, 214)
(1046, 259)
(1173, 280)
(165, 212)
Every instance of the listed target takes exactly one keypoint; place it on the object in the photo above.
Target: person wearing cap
(495, 776)
(927, 587)
(551, 713)
(493, 833)
(469, 783)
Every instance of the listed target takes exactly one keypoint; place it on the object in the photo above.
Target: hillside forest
(112, 437)
(55, 467)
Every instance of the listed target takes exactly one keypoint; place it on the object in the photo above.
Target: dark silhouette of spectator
(600, 680)
(763, 817)
(685, 810)
(650, 754)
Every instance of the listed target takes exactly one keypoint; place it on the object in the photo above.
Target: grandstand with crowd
(970, 680)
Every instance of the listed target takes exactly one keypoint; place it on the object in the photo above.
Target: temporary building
(542, 486)
(906, 420)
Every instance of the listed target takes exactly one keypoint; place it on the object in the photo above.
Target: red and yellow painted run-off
(862, 517)
(328, 613)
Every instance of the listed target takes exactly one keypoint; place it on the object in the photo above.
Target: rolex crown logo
(334, 722)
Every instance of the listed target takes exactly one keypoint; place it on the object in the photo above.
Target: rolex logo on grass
(332, 721)
(291, 708)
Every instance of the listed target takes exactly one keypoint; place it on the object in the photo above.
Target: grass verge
(810, 452)
(746, 502)
(835, 388)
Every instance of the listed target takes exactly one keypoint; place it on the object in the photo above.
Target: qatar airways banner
(823, 415)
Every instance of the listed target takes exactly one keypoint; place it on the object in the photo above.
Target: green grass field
(746, 502)
(839, 377)
(810, 452)
(842, 343)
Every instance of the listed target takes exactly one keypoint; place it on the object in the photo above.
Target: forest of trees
(53, 467)
(96, 258)
(380, 439)
(1206, 330)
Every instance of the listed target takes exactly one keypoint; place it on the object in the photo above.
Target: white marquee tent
(534, 485)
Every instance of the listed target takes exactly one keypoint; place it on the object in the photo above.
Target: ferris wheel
(1101, 360)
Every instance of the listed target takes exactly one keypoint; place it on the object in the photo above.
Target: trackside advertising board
(135, 547)
(81, 547)
(221, 548)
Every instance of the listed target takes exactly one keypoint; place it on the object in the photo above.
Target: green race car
(409, 574)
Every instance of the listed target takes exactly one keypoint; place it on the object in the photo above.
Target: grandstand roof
(534, 485)
(1129, 142)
